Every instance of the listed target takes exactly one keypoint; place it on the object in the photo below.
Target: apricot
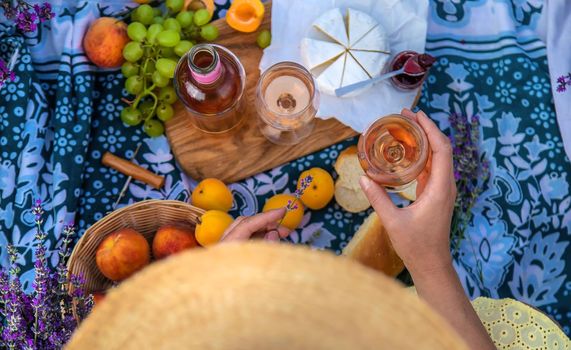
(212, 226)
(104, 42)
(212, 194)
(171, 240)
(320, 190)
(122, 253)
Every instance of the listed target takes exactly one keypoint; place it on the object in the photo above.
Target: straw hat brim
(262, 296)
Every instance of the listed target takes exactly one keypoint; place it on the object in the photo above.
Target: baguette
(372, 247)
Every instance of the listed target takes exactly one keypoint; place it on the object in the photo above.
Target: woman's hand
(264, 225)
(420, 233)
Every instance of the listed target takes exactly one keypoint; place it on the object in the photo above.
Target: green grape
(150, 68)
(146, 109)
(153, 31)
(136, 31)
(166, 67)
(194, 32)
(184, 18)
(153, 128)
(145, 14)
(134, 17)
(201, 17)
(167, 95)
(133, 51)
(183, 47)
(175, 6)
(131, 116)
(172, 24)
(167, 52)
(158, 20)
(134, 85)
(165, 112)
(209, 32)
(129, 69)
(264, 39)
(157, 12)
(159, 80)
(168, 38)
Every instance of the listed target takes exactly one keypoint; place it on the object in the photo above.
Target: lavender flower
(563, 82)
(44, 319)
(44, 11)
(5, 73)
(471, 171)
(26, 21)
(291, 205)
(9, 11)
(26, 16)
(303, 185)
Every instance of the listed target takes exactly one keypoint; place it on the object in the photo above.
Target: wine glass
(286, 102)
(393, 151)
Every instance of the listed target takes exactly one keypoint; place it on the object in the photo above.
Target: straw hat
(262, 296)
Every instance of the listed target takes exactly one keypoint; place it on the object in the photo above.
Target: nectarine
(171, 240)
(104, 42)
(122, 253)
(98, 297)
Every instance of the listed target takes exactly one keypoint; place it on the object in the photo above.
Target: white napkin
(404, 20)
(555, 29)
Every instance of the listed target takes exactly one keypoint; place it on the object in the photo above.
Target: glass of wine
(286, 101)
(393, 151)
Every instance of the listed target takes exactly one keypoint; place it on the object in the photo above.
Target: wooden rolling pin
(131, 169)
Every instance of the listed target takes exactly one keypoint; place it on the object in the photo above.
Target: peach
(122, 253)
(104, 42)
(98, 297)
(171, 240)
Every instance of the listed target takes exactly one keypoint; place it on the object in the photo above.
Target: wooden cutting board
(244, 151)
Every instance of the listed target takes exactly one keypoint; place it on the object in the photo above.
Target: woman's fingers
(250, 225)
(408, 113)
(379, 199)
(441, 152)
(272, 236)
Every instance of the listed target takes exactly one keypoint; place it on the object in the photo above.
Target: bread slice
(348, 193)
(353, 201)
(372, 247)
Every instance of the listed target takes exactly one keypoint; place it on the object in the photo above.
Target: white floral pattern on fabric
(60, 116)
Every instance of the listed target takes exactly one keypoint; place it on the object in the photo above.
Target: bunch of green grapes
(159, 39)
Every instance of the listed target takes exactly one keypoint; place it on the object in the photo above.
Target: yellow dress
(514, 325)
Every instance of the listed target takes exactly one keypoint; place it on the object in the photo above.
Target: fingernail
(273, 236)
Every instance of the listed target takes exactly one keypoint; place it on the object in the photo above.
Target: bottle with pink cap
(210, 81)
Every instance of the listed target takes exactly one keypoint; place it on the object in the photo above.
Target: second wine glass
(286, 102)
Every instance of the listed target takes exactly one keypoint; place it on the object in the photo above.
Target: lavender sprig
(41, 284)
(303, 185)
(14, 335)
(292, 204)
(5, 73)
(471, 171)
(563, 82)
(44, 319)
(26, 16)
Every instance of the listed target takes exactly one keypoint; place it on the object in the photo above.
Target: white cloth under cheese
(405, 23)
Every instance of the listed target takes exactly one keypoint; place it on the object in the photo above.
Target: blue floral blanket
(60, 115)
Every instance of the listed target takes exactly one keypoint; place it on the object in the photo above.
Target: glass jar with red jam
(423, 62)
(210, 81)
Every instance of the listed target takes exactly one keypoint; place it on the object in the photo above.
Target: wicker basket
(145, 217)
